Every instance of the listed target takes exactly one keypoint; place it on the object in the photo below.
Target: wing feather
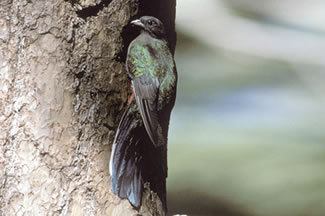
(146, 94)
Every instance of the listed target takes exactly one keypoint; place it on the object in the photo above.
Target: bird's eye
(150, 22)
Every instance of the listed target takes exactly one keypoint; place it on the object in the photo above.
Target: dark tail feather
(126, 176)
(135, 160)
(129, 184)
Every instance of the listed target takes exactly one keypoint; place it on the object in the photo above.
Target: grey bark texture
(63, 88)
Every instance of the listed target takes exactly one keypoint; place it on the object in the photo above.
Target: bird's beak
(137, 22)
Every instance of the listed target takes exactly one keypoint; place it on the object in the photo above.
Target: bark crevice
(93, 9)
(89, 10)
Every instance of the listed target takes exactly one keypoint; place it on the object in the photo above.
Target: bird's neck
(149, 34)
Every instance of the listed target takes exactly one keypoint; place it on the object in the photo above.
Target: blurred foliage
(247, 132)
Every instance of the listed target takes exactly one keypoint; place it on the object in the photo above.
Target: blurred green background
(247, 132)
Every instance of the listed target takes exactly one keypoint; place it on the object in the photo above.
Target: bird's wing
(146, 90)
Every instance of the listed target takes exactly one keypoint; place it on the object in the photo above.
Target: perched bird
(139, 152)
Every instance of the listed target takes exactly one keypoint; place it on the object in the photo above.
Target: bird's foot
(131, 98)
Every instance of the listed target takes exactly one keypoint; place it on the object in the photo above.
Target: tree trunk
(63, 88)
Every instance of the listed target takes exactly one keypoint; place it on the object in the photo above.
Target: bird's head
(151, 25)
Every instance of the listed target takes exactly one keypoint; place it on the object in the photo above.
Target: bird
(139, 151)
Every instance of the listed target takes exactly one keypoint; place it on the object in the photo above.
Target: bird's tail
(135, 161)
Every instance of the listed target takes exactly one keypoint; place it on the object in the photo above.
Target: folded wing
(146, 90)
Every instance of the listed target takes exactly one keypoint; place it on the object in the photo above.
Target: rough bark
(63, 88)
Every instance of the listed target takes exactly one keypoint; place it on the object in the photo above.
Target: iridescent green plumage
(150, 59)
(139, 152)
